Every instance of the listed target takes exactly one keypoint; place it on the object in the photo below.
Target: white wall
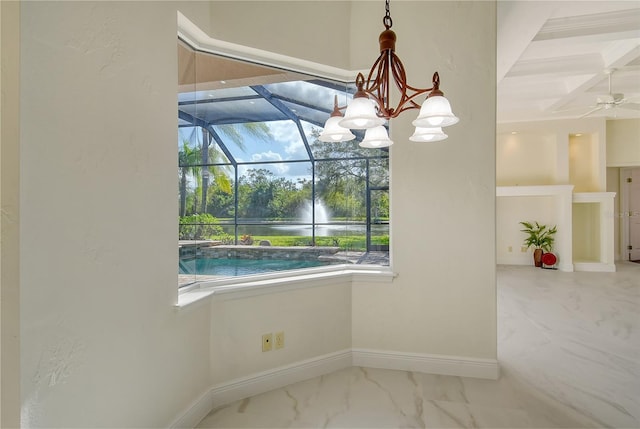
(316, 31)
(316, 321)
(101, 342)
(510, 211)
(442, 194)
(393, 317)
(9, 215)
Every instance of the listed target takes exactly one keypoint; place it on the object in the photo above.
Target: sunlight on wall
(525, 159)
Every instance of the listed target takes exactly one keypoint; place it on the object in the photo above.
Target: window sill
(277, 282)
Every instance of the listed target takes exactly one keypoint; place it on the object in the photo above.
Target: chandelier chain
(387, 21)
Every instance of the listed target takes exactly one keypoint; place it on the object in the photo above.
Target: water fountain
(322, 214)
(322, 221)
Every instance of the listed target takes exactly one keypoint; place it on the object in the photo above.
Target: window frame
(235, 165)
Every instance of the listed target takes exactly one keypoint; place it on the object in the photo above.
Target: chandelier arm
(400, 78)
(377, 67)
(376, 88)
(397, 63)
(384, 89)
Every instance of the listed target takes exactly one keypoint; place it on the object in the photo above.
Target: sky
(245, 102)
(285, 145)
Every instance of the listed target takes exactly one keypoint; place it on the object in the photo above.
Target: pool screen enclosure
(251, 169)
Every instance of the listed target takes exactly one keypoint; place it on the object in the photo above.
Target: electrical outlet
(279, 340)
(267, 339)
(523, 249)
(510, 249)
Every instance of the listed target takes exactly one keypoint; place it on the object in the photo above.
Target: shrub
(199, 227)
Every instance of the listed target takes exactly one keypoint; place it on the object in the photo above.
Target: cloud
(277, 169)
(266, 156)
(286, 134)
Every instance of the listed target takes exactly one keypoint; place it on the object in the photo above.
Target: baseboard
(602, 267)
(197, 411)
(255, 384)
(265, 381)
(427, 363)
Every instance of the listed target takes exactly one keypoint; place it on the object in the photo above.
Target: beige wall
(514, 153)
(623, 143)
(613, 185)
(544, 153)
(605, 143)
(9, 215)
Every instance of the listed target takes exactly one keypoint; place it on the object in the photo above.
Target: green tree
(341, 175)
(209, 174)
(221, 203)
(256, 192)
(262, 195)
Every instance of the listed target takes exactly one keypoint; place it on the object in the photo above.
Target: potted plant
(540, 237)
(246, 239)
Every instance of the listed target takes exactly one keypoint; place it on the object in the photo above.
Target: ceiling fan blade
(573, 109)
(591, 111)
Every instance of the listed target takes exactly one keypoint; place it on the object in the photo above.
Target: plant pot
(537, 257)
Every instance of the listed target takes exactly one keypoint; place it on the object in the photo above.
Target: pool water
(243, 267)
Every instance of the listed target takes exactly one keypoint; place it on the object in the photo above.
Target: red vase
(537, 257)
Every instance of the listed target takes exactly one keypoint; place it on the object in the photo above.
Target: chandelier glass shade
(371, 109)
(376, 137)
(435, 112)
(361, 114)
(428, 135)
(333, 131)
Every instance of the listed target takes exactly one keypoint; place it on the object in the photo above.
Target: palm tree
(187, 161)
(195, 162)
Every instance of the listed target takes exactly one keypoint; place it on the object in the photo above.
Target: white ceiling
(553, 59)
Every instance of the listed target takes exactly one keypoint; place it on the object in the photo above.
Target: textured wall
(10, 215)
(101, 342)
(442, 194)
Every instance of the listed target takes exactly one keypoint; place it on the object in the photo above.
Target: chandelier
(370, 108)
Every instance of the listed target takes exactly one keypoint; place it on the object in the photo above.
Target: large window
(258, 192)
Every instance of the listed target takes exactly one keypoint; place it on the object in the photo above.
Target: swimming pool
(243, 267)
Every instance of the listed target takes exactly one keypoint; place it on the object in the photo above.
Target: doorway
(630, 208)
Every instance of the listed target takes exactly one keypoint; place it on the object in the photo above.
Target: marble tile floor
(569, 350)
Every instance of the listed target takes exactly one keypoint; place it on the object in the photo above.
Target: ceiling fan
(611, 100)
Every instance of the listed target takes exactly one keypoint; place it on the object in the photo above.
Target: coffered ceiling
(555, 59)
